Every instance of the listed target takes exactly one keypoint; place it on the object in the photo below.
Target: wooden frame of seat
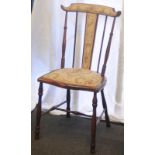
(92, 11)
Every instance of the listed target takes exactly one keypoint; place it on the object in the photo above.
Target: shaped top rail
(92, 8)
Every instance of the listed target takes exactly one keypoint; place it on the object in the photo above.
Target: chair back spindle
(64, 42)
(102, 41)
(92, 15)
(108, 48)
(75, 33)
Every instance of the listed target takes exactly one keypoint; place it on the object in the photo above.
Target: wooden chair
(81, 78)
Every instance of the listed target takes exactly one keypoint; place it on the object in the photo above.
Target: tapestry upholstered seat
(82, 78)
(74, 78)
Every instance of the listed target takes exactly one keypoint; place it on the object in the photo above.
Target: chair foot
(92, 149)
(37, 137)
(68, 115)
(108, 124)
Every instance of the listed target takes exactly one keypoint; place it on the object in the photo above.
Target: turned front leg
(93, 125)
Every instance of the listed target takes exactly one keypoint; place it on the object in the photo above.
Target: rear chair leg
(38, 115)
(93, 125)
(106, 110)
(68, 103)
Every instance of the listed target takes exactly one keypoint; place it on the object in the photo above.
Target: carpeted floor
(62, 136)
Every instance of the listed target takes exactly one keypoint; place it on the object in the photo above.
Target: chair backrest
(92, 14)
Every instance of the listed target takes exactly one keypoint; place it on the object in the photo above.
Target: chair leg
(68, 103)
(93, 125)
(38, 114)
(106, 109)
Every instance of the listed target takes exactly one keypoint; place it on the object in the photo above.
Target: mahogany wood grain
(103, 34)
(93, 125)
(38, 116)
(75, 35)
(108, 48)
(68, 103)
(64, 42)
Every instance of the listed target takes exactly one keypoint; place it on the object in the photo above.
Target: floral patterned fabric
(91, 8)
(89, 40)
(82, 78)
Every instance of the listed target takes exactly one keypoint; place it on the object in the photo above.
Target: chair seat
(74, 78)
